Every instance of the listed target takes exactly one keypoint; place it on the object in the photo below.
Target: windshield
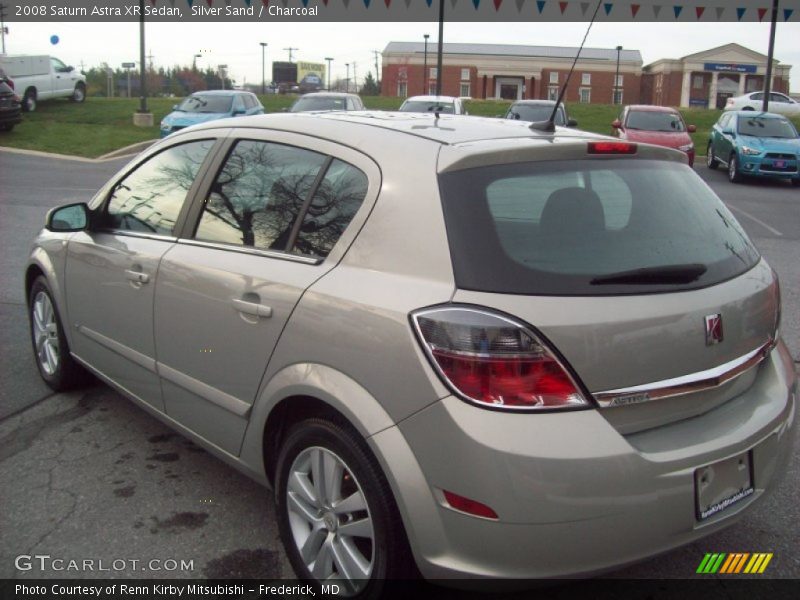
(761, 127)
(206, 103)
(318, 103)
(427, 106)
(535, 112)
(587, 227)
(655, 121)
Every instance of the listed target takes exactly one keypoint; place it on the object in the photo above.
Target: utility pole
(142, 73)
(770, 53)
(3, 25)
(150, 60)
(425, 66)
(377, 73)
(441, 43)
(263, 76)
(329, 72)
(355, 77)
(290, 50)
(347, 81)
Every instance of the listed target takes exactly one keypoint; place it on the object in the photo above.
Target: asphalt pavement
(88, 475)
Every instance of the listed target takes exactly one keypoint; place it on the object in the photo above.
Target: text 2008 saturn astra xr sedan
(450, 343)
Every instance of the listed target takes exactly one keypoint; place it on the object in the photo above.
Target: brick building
(511, 72)
(707, 79)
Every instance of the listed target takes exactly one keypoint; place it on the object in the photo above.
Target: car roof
(535, 103)
(651, 108)
(431, 99)
(329, 95)
(351, 126)
(218, 92)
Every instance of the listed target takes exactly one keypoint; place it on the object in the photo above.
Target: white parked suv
(42, 77)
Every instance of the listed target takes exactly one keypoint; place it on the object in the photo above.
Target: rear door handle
(252, 308)
(137, 276)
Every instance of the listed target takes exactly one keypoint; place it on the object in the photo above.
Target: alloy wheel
(329, 519)
(45, 334)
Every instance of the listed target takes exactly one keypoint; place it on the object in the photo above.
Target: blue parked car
(758, 144)
(209, 106)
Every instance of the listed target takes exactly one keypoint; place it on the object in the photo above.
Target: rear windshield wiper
(653, 275)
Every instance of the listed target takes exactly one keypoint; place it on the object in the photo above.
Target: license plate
(721, 485)
(780, 164)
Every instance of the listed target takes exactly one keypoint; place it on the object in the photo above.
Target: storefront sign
(730, 67)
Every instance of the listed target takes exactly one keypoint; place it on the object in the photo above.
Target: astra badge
(713, 329)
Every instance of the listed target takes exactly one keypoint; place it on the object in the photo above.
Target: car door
(61, 79)
(112, 267)
(265, 229)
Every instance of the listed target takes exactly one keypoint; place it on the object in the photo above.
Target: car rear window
(535, 112)
(427, 106)
(655, 121)
(590, 227)
(319, 103)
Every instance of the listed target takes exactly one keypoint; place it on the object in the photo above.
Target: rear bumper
(573, 496)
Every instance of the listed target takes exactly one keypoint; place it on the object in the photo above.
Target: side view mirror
(572, 123)
(729, 131)
(72, 217)
(174, 107)
(616, 123)
(284, 109)
(691, 128)
(70, 69)
(238, 111)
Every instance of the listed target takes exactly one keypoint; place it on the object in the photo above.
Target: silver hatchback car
(448, 344)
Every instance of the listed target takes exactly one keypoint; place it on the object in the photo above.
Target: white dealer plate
(721, 485)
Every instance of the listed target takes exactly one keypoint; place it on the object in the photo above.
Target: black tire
(66, 374)
(734, 176)
(796, 182)
(711, 162)
(7, 126)
(388, 548)
(79, 93)
(29, 100)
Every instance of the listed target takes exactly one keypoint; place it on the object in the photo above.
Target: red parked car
(659, 125)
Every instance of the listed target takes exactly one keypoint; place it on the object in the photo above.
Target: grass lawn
(102, 125)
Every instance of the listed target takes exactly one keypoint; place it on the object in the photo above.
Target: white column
(712, 92)
(686, 87)
(742, 77)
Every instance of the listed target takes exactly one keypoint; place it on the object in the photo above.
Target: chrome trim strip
(124, 351)
(212, 394)
(685, 384)
(136, 234)
(268, 253)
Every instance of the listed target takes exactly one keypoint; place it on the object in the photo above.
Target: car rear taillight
(495, 361)
(10, 83)
(611, 148)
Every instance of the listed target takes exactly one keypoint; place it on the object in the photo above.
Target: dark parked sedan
(10, 109)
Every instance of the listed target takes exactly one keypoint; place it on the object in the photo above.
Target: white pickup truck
(42, 77)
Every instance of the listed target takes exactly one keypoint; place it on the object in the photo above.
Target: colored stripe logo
(734, 563)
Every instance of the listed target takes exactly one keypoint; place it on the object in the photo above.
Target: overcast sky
(237, 44)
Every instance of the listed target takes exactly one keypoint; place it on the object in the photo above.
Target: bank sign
(730, 67)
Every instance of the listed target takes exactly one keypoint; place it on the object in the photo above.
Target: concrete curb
(126, 151)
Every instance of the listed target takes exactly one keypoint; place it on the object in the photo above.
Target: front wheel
(336, 514)
(29, 101)
(50, 348)
(796, 182)
(711, 162)
(733, 169)
(79, 94)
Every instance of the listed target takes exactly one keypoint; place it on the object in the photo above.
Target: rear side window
(589, 228)
(150, 198)
(275, 197)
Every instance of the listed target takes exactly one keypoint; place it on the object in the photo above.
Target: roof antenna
(550, 125)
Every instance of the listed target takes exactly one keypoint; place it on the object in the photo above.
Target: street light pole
(347, 81)
(425, 66)
(329, 72)
(616, 80)
(194, 61)
(441, 43)
(142, 73)
(770, 53)
(263, 77)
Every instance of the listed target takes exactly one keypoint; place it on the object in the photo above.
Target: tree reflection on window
(335, 202)
(258, 195)
(150, 198)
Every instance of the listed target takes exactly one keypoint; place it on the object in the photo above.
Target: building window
(552, 93)
(464, 74)
(619, 82)
(432, 88)
(586, 95)
(617, 96)
(586, 79)
(433, 73)
(464, 90)
(554, 77)
(402, 89)
(697, 82)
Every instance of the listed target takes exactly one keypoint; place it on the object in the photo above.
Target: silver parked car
(448, 343)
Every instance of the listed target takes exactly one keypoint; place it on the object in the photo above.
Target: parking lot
(87, 475)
